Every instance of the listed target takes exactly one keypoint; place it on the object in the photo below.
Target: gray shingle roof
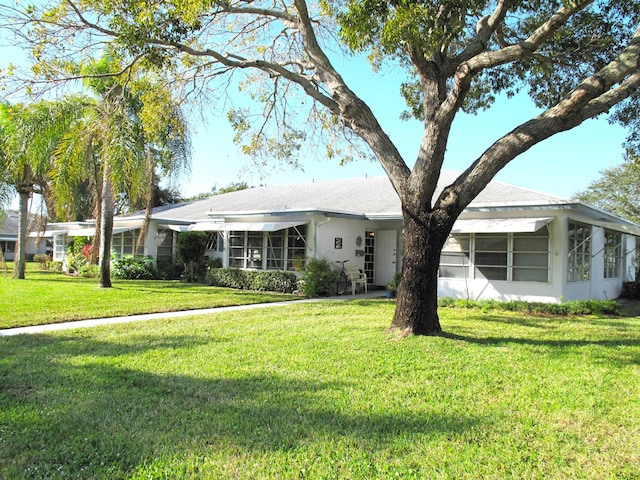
(357, 196)
(9, 225)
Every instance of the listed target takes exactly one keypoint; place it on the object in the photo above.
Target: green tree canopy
(616, 191)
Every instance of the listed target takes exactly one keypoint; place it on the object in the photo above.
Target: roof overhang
(500, 225)
(283, 213)
(47, 234)
(90, 232)
(243, 226)
(175, 228)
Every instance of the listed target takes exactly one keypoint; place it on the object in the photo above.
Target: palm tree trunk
(21, 252)
(148, 210)
(106, 230)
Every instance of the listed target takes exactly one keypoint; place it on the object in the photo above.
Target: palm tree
(29, 134)
(118, 148)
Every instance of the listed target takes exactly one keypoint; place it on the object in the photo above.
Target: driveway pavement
(155, 316)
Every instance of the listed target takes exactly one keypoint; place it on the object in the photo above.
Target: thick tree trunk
(20, 264)
(417, 306)
(106, 231)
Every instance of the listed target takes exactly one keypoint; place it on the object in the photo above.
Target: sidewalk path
(156, 316)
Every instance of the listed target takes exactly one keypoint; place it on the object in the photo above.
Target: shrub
(43, 259)
(191, 248)
(575, 307)
(170, 270)
(394, 284)
(56, 267)
(131, 267)
(215, 262)
(274, 281)
(630, 290)
(78, 254)
(89, 271)
(271, 281)
(319, 278)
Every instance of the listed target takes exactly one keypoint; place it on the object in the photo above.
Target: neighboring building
(9, 237)
(510, 243)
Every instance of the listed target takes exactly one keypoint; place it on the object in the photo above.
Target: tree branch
(354, 112)
(527, 47)
(596, 95)
(486, 27)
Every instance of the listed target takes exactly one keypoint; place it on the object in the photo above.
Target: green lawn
(323, 391)
(47, 297)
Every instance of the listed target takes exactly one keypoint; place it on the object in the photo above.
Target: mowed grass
(48, 297)
(323, 391)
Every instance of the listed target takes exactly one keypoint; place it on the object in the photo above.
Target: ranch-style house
(511, 243)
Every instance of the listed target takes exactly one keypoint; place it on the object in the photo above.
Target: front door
(385, 256)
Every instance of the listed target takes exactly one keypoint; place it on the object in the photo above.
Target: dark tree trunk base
(417, 308)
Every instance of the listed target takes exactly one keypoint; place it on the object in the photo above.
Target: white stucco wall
(329, 229)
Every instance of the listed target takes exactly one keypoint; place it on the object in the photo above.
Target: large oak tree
(577, 59)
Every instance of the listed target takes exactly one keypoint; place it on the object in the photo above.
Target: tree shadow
(95, 416)
(619, 347)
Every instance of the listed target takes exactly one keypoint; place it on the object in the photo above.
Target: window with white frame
(237, 249)
(579, 261)
(516, 257)
(124, 243)
(612, 254)
(165, 246)
(59, 247)
(530, 256)
(276, 247)
(491, 252)
(267, 250)
(454, 260)
(215, 241)
(296, 245)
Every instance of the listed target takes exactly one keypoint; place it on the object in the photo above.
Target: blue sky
(562, 165)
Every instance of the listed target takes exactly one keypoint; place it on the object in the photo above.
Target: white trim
(500, 225)
(243, 226)
(176, 228)
(90, 232)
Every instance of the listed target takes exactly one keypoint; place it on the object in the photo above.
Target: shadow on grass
(619, 348)
(71, 410)
(548, 322)
(543, 342)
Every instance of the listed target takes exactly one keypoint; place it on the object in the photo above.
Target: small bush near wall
(170, 270)
(89, 271)
(630, 290)
(131, 267)
(319, 278)
(574, 307)
(215, 262)
(268, 281)
(43, 259)
(191, 247)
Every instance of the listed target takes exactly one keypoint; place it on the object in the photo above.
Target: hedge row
(270, 281)
(630, 290)
(574, 307)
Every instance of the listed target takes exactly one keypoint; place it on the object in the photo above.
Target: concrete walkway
(185, 313)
